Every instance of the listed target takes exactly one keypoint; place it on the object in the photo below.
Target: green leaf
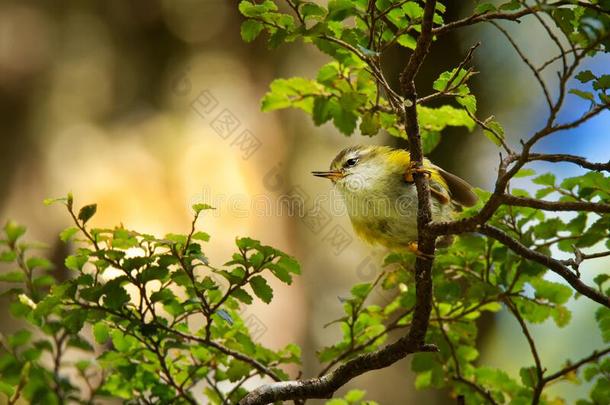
(370, 124)
(602, 83)
(602, 315)
(13, 231)
(543, 192)
(525, 173)
(38, 262)
(164, 295)
(101, 332)
(484, 8)
(79, 343)
(75, 262)
(261, 289)
(361, 290)
(345, 120)
(583, 94)
(528, 376)
(295, 92)
(7, 389)
(323, 110)
(87, 212)
(7, 256)
(67, 234)
(281, 273)
(563, 18)
(430, 140)
(250, 30)
(243, 296)
(201, 236)
(328, 73)
(313, 11)
(354, 396)
(495, 132)
(13, 277)
(469, 102)
(248, 9)
(338, 10)
(511, 5)
(407, 41)
(450, 80)
(422, 362)
(51, 201)
(121, 342)
(115, 295)
(201, 207)
(413, 10)
(247, 243)
(467, 353)
(436, 119)
(237, 370)
(547, 179)
(601, 391)
(154, 273)
(549, 228)
(561, 315)
(600, 279)
(19, 338)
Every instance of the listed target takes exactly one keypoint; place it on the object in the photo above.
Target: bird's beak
(333, 175)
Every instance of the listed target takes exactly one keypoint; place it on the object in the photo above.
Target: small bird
(377, 185)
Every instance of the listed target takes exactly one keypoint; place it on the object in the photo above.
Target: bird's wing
(461, 191)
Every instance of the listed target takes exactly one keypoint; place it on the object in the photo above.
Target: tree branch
(573, 367)
(326, 385)
(584, 206)
(578, 160)
(552, 264)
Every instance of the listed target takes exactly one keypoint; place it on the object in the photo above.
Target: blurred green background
(148, 106)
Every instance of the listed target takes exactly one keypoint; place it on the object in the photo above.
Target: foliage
(151, 320)
(129, 313)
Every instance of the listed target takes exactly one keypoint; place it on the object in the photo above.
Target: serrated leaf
(546, 179)
(407, 41)
(339, 10)
(528, 376)
(370, 124)
(250, 29)
(328, 73)
(243, 296)
(261, 289)
(313, 11)
(551, 291)
(469, 102)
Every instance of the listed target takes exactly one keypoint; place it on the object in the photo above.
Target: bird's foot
(413, 248)
(412, 169)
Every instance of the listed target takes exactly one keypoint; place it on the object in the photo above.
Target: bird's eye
(351, 162)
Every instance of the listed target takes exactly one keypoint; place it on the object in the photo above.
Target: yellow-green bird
(377, 185)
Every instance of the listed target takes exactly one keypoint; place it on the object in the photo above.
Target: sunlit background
(146, 107)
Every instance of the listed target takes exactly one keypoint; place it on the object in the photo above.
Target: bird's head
(359, 168)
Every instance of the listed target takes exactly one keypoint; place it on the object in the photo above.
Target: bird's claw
(414, 248)
(412, 169)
